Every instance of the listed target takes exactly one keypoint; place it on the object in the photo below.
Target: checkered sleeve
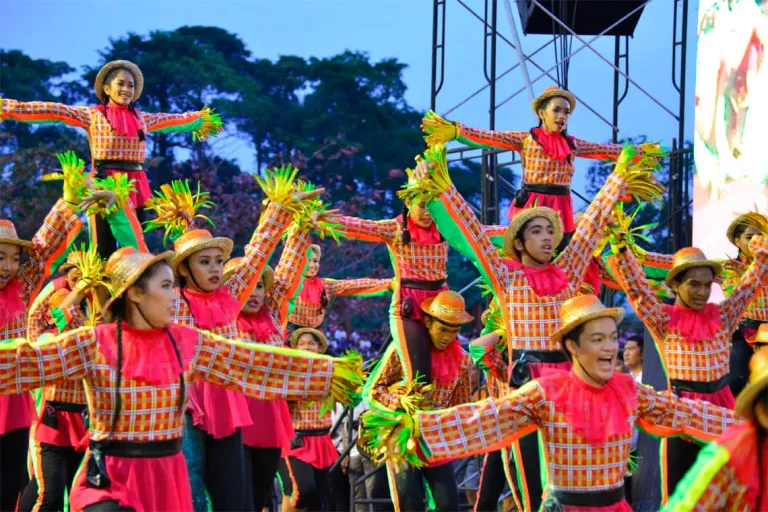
(288, 275)
(365, 287)
(664, 414)
(382, 231)
(274, 221)
(45, 112)
(25, 366)
(577, 256)
(745, 292)
(598, 150)
(385, 378)
(60, 228)
(462, 393)
(262, 371)
(36, 323)
(165, 123)
(480, 138)
(631, 277)
(658, 260)
(480, 427)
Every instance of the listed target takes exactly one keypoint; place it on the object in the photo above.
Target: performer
(447, 384)
(586, 417)
(731, 472)
(692, 337)
(740, 233)
(529, 286)
(318, 293)
(133, 461)
(547, 152)
(303, 470)
(116, 130)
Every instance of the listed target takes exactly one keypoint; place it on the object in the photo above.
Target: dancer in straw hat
(116, 130)
(139, 368)
(529, 286)
(445, 385)
(547, 152)
(693, 337)
(586, 417)
(731, 472)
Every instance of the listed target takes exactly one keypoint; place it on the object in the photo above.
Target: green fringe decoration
(278, 185)
(211, 125)
(72, 174)
(389, 435)
(347, 381)
(315, 206)
(434, 184)
(438, 129)
(121, 186)
(175, 205)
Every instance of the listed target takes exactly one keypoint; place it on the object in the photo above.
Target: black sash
(700, 387)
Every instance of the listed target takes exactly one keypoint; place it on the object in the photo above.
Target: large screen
(731, 139)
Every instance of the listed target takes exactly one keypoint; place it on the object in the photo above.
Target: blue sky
(74, 31)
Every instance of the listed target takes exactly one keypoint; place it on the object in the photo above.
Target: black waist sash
(700, 387)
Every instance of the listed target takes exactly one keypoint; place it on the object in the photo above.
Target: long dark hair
(131, 106)
(542, 106)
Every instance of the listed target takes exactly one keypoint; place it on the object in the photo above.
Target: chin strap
(587, 373)
(138, 308)
(191, 275)
(525, 251)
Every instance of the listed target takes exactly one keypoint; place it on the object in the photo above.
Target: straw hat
(101, 76)
(267, 276)
(126, 266)
(758, 381)
(761, 336)
(752, 219)
(523, 216)
(553, 92)
(580, 310)
(319, 336)
(198, 240)
(448, 307)
(8, 235)
(690, 257)
(74, 258)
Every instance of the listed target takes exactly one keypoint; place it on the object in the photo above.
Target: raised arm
(45, 112)
(381, 231)
(631, 277)
(365, 287)
(25, 366)
(289, 275)
(754, 278)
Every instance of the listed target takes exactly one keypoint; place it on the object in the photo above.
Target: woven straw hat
(523, 216)
(73, 259)
(746, 219)
(553, 92)
(690, 257)
(101, 76)
(126, 266)
(758, 381)
(319, 336)
(760, 336)
(267, 276)
(580, 310)
(448, 307)
(8, 235)
(197, 240)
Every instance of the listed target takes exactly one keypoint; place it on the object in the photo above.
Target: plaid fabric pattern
(497, 375)
(38, 325)
(758, 308)
(106, 144)
(538, 167)
(531, 318)
(444, 394)
(573, 463)
(724, 492)
(307, 416)
(312, 315)
(708, 360)
(150, 412)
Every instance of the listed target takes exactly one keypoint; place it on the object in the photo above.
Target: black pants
(260, 469)
(681, 456)
(225, 472)
(58, 465)
(492, 478)
(107, 506)
(411, 495)
(13, 467)
(529, 449)
(307, 487)
(741, 353)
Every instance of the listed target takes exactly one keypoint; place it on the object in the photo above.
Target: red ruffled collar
(555, 144)
(212, 309)
(260, 325)
(12, 299)
(547, 281)
(447, 363)
(312, 291)
(420, 235)
(123, 121)
(694, 325)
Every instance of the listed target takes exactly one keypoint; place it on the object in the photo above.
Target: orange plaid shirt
(573, 463)
(530, 318)
(538, 166)
(708, 361)
(149, 412)
(497, 375)
(758, 308)
(307, 416)
(444, 394)
(106, 144)
(312, 315)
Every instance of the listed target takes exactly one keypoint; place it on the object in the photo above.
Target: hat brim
(464, 318)
(101, 76)
(616, 313)
(24, 244)
(295, 335)
(166, 256)
(225, 244)
(519, 221)
(570, 98)
(716, 267)
(746, 399)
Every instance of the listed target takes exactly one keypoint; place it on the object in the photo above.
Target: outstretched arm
(202, 123)
(440, 131)
(45, 112)
(609, 151)
(381, 231)
(364, 287)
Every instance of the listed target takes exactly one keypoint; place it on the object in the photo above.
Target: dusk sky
(74, 32)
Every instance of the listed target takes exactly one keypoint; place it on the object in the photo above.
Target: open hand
(736, 266)
(421, 171)
(98, 198)
(328, 216)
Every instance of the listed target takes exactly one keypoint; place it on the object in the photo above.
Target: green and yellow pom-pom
(91, 267)
(72, 174)
(638, 177)
(391, 436)
(438, 129)
(310, 209)
(625, 232)
(434, 184)
(121, 186)
(347, 381)
(176, 208)
(279, 184)
(211, 125)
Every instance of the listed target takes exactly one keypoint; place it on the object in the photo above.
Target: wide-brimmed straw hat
(448, 307)
(8, 235)
(125, 267)
(293, 341)
(198, 240)
(760, 336)
(758, 381)
(580, 310)
(267, 276)
(752, 219)
(523, 216)
(690, 257)
(101, 76)
(74, 258)
(553, 92)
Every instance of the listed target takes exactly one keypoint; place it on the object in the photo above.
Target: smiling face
(441, 334)
(120, 87)
(596, 350)
(203, 270)
(554, 114)
(154, 296)
(538, 240)
(314, 265)
(256, 299)
(10, 260)
(693, 287)
(419, 214)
